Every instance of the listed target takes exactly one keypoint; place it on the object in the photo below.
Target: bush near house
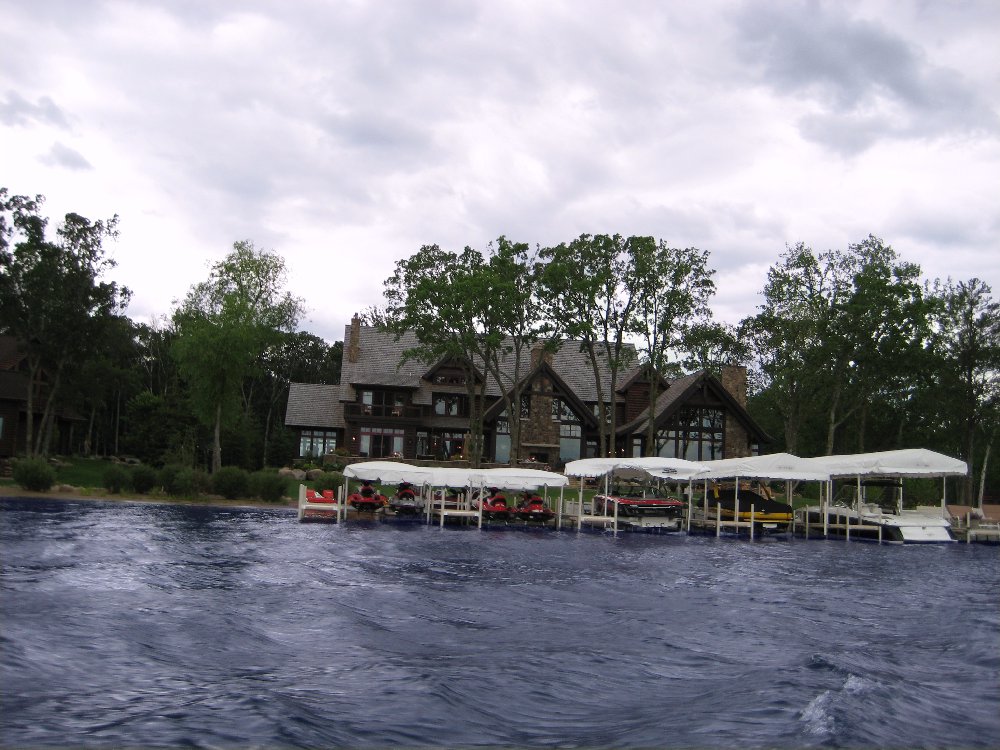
(34, 474)
(117, 479)
(231, 482)
(269, 486)
(143, 478)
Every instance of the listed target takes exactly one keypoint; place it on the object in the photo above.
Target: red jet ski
(495, 507)
(532, 508)
(366, 500)
(405, 502)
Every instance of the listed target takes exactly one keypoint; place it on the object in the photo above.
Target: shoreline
(81, 493)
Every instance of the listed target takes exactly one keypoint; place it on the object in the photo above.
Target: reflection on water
(154, 625)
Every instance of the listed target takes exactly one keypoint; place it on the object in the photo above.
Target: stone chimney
(354, 340)
(734, 380)
(540, 354)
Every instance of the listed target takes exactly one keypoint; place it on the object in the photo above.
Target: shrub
(177, 480)
(231, 482)
(143, 478)
(116, 478)
(331, 480)
(269, 486)
(34, 474)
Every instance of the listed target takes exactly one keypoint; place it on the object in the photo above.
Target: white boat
(885, 469)
(925, 525)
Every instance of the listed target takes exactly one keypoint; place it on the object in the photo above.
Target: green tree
(965, 390)
(52, 299)
(672, 288)
(435, 294)
(510, 322)
(785, 339)
(586, 298)
(224, 326)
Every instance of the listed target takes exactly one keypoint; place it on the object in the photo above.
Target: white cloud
(344, 136)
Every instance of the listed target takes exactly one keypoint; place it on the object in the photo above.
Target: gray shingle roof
(312, 405)
(379, 355)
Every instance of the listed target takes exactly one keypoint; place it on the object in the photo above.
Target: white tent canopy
(394, 472)
(514, 478)
(909, 462)
(656, 466)
(388, 472)
(777, 466)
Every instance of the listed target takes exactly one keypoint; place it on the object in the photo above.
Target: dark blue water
(166, 626)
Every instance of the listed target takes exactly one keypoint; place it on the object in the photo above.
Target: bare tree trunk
(217, 440)
(982, 469)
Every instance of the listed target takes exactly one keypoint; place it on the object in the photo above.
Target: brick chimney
(354, 340)
(734, 380)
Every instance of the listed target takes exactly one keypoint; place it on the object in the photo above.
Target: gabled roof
(678, 394)
(543, 368)
(451, 361)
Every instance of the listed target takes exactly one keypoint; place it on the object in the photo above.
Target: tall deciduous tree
(435, 295)
(586, 298)
(52, 298)
(511, 321)
(225, 325)
(966, 383)
(672, 287)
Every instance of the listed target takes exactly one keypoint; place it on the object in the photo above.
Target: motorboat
(532, 508)
(923, 525)
(662, 512)
(406, 502)
(366, 499)
(767, 514)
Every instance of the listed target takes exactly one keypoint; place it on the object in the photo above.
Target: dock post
(752, 518)
(718, 521)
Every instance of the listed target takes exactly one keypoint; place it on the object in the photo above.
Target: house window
(570, 440)
(696, 434)
(423, 445)
(314, 443)
(449, 444)
(376, 442)
(451, 405)
(382, 403)
(501, 453)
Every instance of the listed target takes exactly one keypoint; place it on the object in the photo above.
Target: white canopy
(782, 466)
(516, 478)
(657, 466)
(388, 472)
(910, 462)
(512, 478)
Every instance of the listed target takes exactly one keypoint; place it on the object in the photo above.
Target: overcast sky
(343, 135)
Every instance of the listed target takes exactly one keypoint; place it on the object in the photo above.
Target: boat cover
(655, 466)
(388, 472)
(772, 466)
(910, 462)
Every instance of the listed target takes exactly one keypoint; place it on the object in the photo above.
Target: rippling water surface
(153, 625)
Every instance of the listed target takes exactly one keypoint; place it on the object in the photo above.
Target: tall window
(376, 442)
(570, 431)
(696, 434)
(451, 405)
(315, 443)
(502, 433)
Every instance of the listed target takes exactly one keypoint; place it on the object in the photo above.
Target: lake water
(143, 625)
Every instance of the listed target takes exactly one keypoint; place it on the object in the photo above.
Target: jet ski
(405, 502)
(531, 507)
(366, 499)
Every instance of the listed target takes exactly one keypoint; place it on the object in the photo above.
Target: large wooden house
(418, 410)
